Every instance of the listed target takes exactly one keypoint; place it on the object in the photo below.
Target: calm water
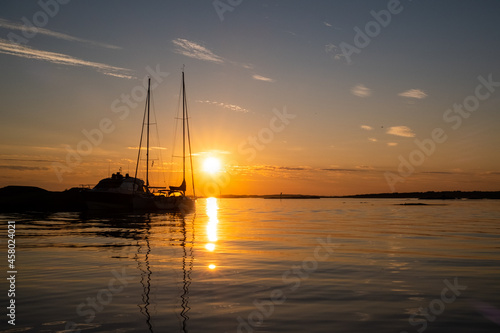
(255, 265)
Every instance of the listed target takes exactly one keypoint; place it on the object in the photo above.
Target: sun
(211, 165)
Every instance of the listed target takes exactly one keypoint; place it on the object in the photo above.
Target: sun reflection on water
(213, 221)
(212, 208)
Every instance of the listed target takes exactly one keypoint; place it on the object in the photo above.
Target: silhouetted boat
(120, 192)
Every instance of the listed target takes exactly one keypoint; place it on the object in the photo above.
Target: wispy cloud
(344, 170)
(262, 78)
(196, 51)
(366, 127)
(401, 131)
(361, 91)
(333, 50)
(327, 24)
(279, 168)
(225, 106)
(289, 172)
(247, 66)
(22, 167)
(157, 148)
(392, 144)
(9, 48)
(20, 27)
(413, 93)
(213, 152)
(200, 52)
(372, 139)
(365, 167)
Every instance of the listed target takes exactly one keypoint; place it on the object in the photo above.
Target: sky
(312, 97)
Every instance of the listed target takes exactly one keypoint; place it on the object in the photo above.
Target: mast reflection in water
(145, 274)
(146, 271)
(187, 267)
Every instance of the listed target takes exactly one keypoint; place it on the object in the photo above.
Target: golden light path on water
(213, 221)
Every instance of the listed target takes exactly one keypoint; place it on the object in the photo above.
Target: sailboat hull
(136, 202)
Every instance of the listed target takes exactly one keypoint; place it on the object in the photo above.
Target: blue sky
(355, 116)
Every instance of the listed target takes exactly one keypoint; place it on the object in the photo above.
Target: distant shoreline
(429, 195)
(30, 198)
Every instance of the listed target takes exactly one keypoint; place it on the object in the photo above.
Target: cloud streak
(361, 91)
(231, 107)
(332, 49)
(344, 170)
(413, 93)
(144, 148)
(404, 131)
(6, 47)
(262, 78)
(366, 127)
(21, 27)
(22, 168)
(196, 51)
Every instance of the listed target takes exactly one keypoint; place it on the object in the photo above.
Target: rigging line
(175, 132)
(190, 152)
(160, 155)
(140, 146)
(157, 155)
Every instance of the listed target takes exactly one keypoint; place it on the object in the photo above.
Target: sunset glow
(211, 165)
(312, 104)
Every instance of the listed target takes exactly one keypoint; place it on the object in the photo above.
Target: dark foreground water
(255, 265)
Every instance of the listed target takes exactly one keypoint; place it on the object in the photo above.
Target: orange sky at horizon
(256, 179)
(272, 93)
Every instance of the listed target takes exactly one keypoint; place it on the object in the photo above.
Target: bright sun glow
(211, 165)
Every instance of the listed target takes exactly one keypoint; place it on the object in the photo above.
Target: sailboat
(123, 192)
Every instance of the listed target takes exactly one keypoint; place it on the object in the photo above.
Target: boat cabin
(119, 183)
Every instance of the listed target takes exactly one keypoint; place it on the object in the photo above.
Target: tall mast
(147, 140)
(183, 129)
